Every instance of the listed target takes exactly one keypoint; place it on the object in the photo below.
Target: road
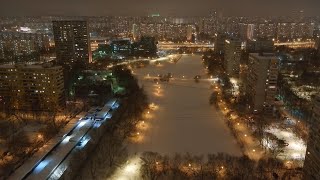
(184, 121)
(49, 162)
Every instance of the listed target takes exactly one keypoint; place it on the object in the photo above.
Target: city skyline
(170, 89)
(164, 8)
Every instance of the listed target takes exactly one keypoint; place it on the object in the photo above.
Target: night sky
(164, 7)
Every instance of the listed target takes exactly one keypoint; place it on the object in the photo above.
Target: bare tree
(151, 165)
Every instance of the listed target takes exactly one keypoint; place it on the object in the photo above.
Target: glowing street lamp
(40, 137)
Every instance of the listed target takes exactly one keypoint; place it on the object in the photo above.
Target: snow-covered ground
(296, 148)
(129, 170)
(184, 121)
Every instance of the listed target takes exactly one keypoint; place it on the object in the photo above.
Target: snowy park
(183, 121)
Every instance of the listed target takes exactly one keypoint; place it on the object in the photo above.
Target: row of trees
(110, 151)
(212, 166)
(268, 141)
(18, 144)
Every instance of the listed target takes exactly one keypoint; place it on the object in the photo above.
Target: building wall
(22, 47)
(31, 87)
(261, 81)
(72, 42)
(312, 161)
(232, 57)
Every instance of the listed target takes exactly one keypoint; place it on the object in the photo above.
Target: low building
(260, 45)
(312, 161)
(31, 87)
(261, 81)
(121, 47)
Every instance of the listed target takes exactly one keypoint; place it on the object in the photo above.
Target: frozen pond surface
(184, 121)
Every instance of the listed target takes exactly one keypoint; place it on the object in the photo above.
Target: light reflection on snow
(296, 149)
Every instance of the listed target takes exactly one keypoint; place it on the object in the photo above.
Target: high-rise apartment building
(232, 55)
(31, 87)
(22, 47)
(247, 31)
(219, 43)
(312, 161)
(261, 81)
(72, 42)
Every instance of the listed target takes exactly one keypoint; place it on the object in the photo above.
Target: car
(73, 139)
(84, 118)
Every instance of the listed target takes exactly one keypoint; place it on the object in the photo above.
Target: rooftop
(264, 55)
(29, 66)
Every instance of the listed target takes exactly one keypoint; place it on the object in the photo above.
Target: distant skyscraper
(250, 31)
(311, 166)
(232, 55)
(135, 31)
(190, 30)
(72, 42)
(219, 43)
(261, 81)
(213, 23)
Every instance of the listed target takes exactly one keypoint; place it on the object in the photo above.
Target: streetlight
(40, 137)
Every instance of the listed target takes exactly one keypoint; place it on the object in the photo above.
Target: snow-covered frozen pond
(183, 121)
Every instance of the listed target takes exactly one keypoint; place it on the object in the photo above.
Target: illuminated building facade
(232, 55)
(31, 87)
(261, 81)
(22, 47)
(72, 42)
(312, 161)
